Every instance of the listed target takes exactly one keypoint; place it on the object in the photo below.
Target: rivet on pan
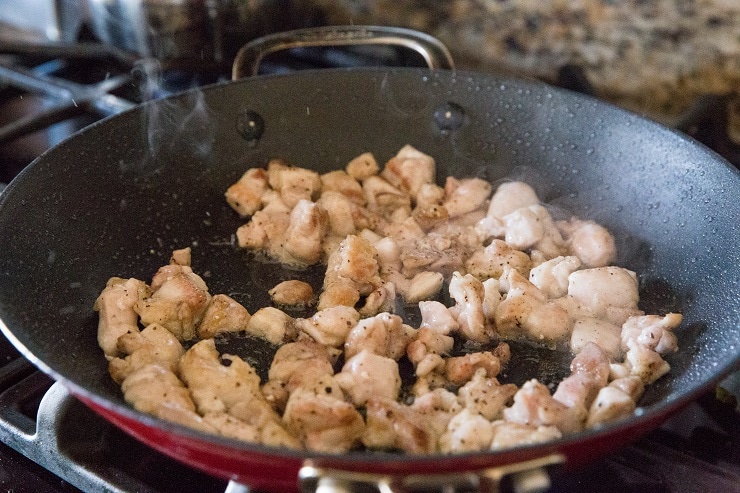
(250, 125)
(449, 117)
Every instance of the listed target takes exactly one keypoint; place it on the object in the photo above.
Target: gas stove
(51, 442)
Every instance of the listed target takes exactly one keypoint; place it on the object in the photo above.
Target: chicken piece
(363, 166)
(526, 312)
(265, 229)
(423, 286)
(534, 406)
(178, 302)
(485, 395)
(460, 369)
(341, 212)
(381, 299)
(490, 261)
(153, 345)
(391, 425)
(551, 277)
(428, 342)
(223, 314)
(491, 299)
(323, 422)
(367, 375)
(466, 195)
(468, 293)
(436, 316)
(533, 227)
(438, 407)
(292, 293)
(468, 431)
(217, 382)
(295, 184)
(273, 325)
(600, 332)
(259, 414)
(383, 198)
(630, 385)
(610, 293)
(231, 427)
(306, 230)
(384, 334)
(409, 170)
(245, 196)
(430, 215)
(589, 373)
(157, 391)
(116, 311)
(352, 270)
(330, 326)
(340, 181)
(611, 404)
(181, 257)
(592, 243)
(652, 331)
(301, 363)
(511, 196)
(507, 435)
(645, 363)
(338, 292)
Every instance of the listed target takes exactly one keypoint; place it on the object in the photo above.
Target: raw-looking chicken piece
(323, 421)
(409, 170)
(292, 293)
(179, 299)
(116, 311)
(490, 261)
(652, 331)
(306, 230)
(526, 312)
(367, 375)
(511, 196)
(466, 195)
(363, 166)
(245, 196)
(485, 395)
(610, 293)
(507, 435)
(330, 326)
(592, 243)
(534, 406)
(468, 293)
(394, 426)
(468, 431)
(217, 382)
(532, 227)
(223, 314)
(491, 299)
(153, 345)
(589, 373)
(384, 334)
(273, 325)
(436, 316)
(597, 331)
(156, 390)
(341, 182)
(551, 276)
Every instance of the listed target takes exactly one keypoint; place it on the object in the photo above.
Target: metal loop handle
(248, 59)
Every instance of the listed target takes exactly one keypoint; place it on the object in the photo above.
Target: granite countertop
(653, 57)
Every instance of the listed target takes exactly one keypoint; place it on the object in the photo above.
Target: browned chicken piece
(340, 181)
(352, 267)
(367, 375)
(217, 382)
(409, 170)
(465, 195)
(363, 166)
(155, 390)
(323, 422)
(511, 196)
(340, 291)
(384, 334)
(460, 369)
(292, 293)
(223, 314)
(383, 198)
(273, 325)
(116, 311)
(394, 426)
(177, 303)
(534, 406)
(245, 196)
(330, 326)
(181, 257)
(485, 395)
(153, 345)
(341, 212)
(301, 363)
(652, 331)
(306, 230)
(507, 435)
(490, 261)
(468, 293)
(295, 184)
(381, 299)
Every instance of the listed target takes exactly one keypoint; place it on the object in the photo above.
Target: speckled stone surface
(655, 57)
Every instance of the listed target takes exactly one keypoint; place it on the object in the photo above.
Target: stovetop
(51, 442)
